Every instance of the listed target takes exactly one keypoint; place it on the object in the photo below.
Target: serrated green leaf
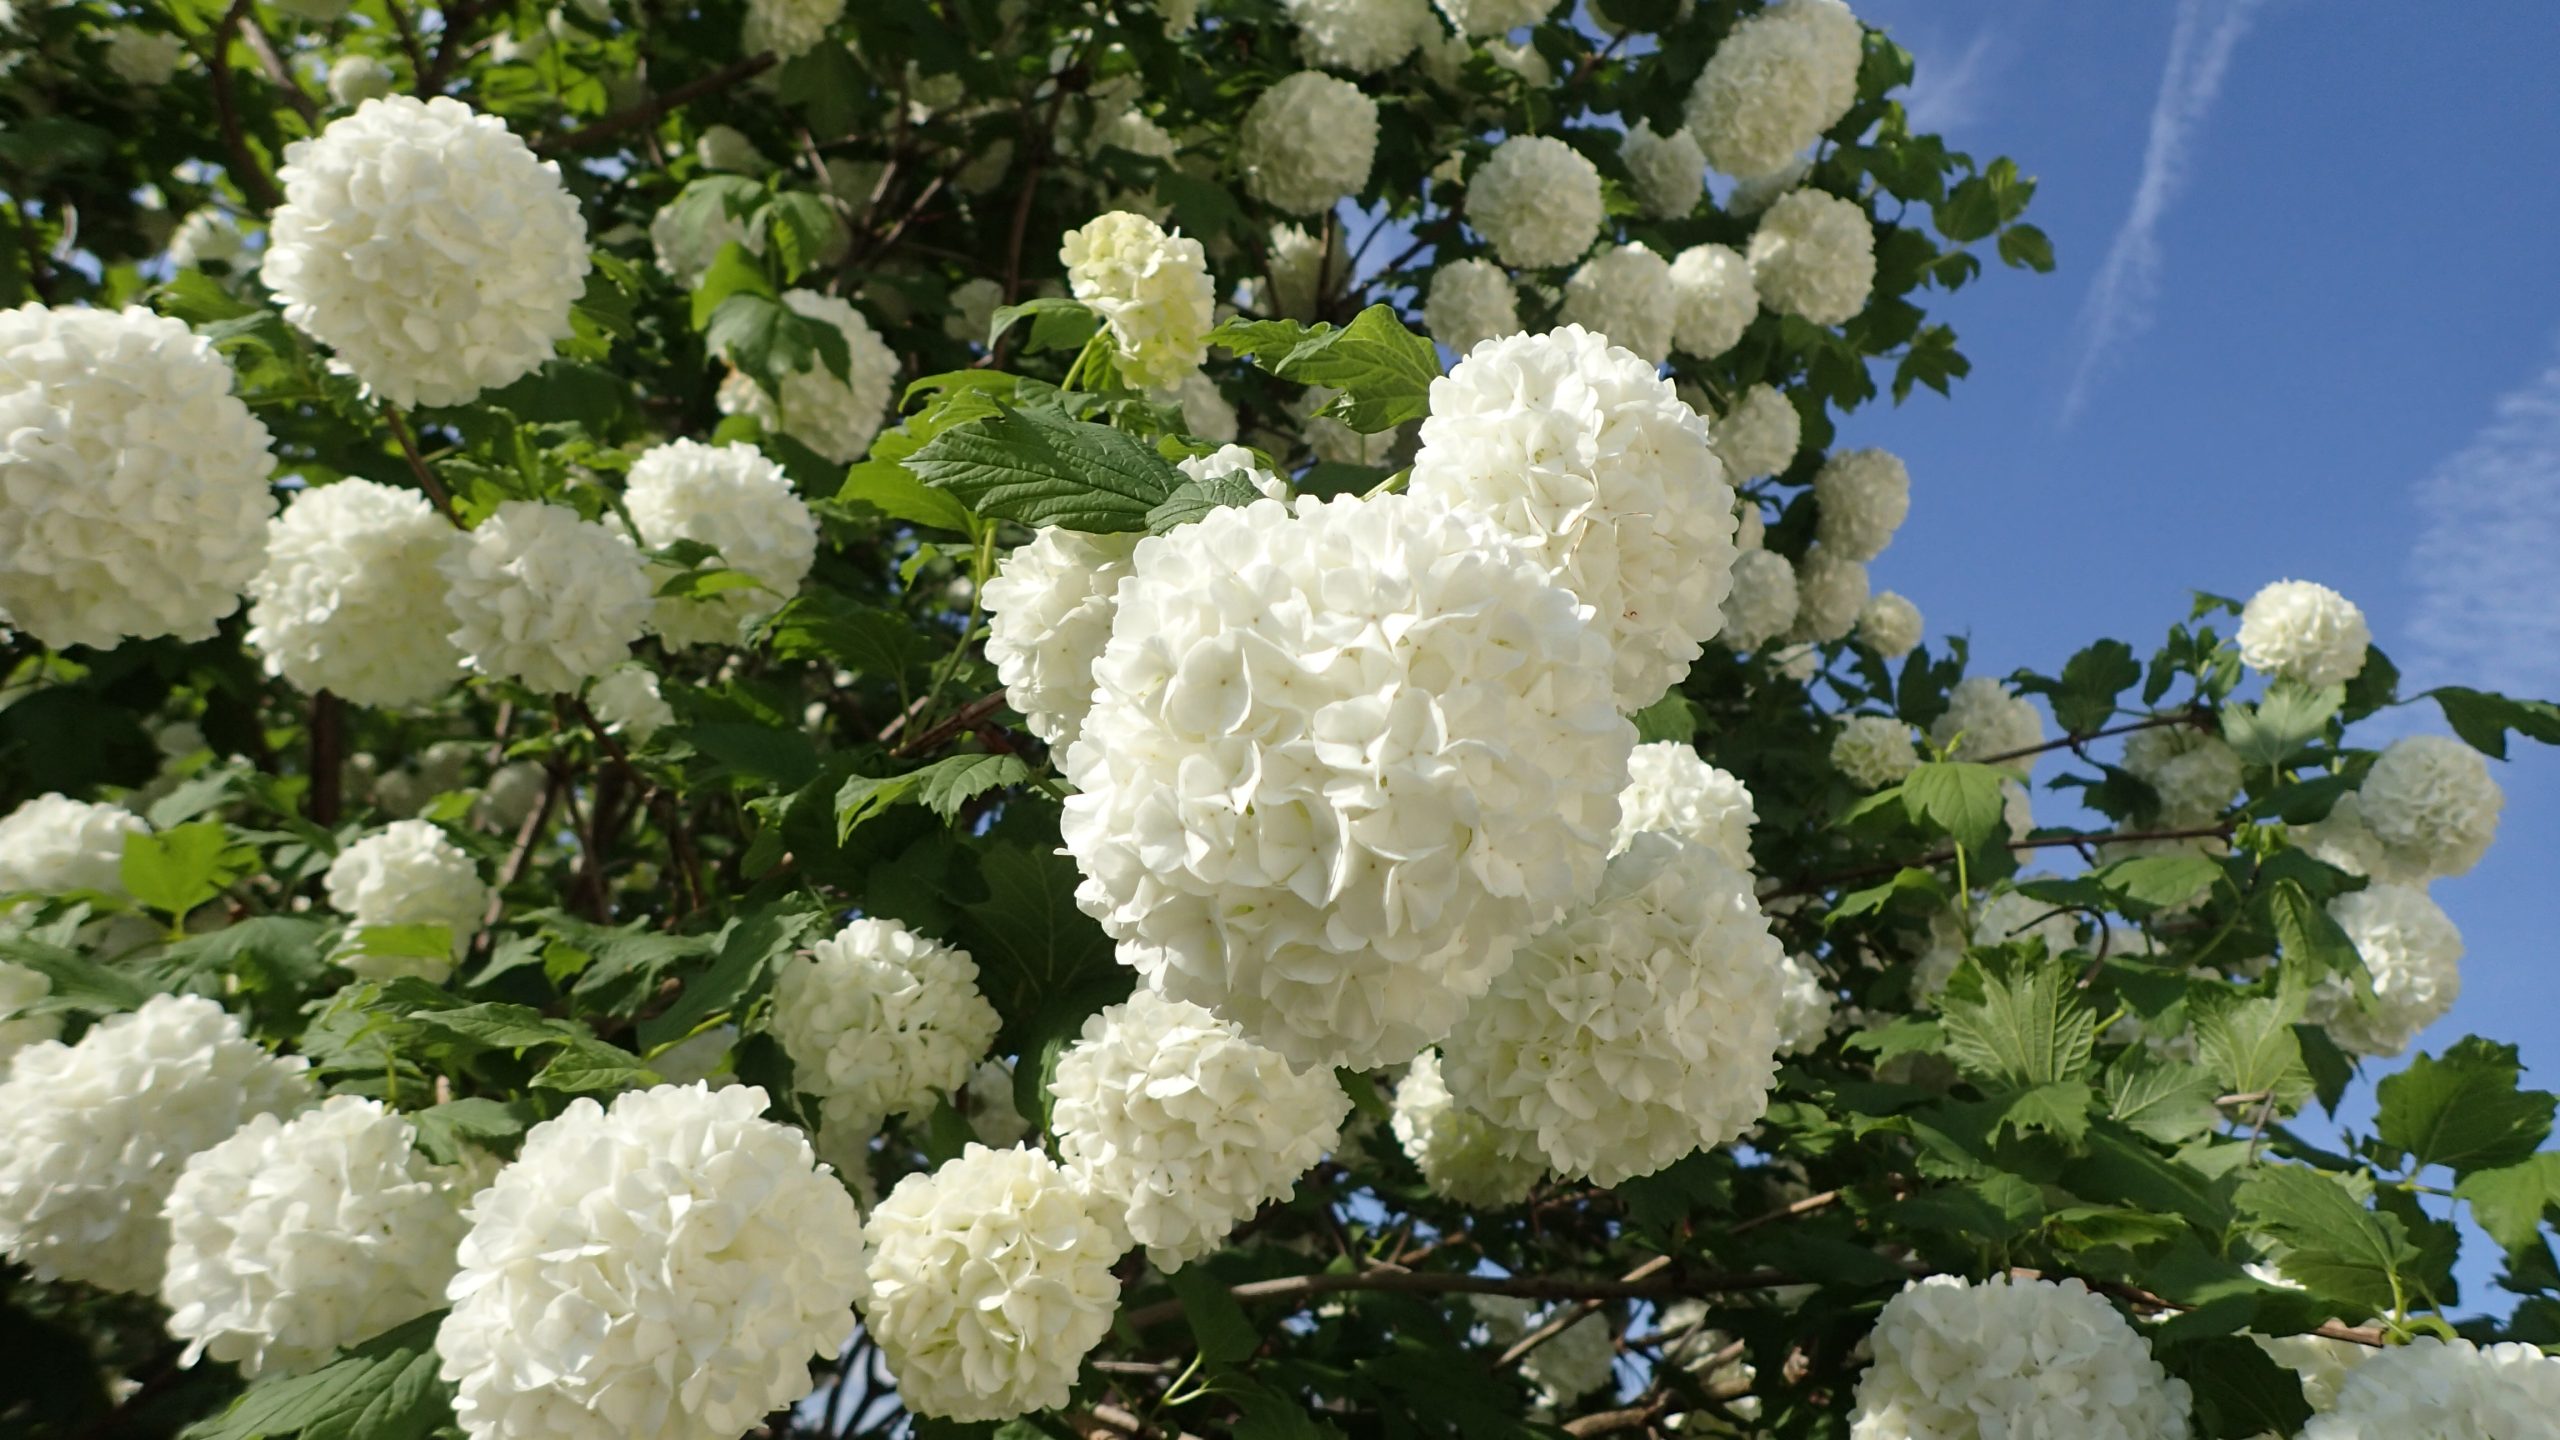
(2239, 1391)
(499, 1027)
(2464, 1111)
(75, 980)
(2313, 945)
(801, 229)
(2027, 1030)
(589, 1066)
(1383, 370)
(174, 871)
(2289, 717)
(2249, 1047)
(2169, 1103)
(750, 945)
(2333, 1245)
(1218, 1323)
(894, 491)
(1963, 800)
(1057, 323)
(1674, 717)
(384, 1389)
(949, 783)
(2059, 1109)
(2510, 1202)
(864, 797)
(1040, 468)
(1194, 499)
(2149, 883)
(734, 271)
(865, 639)
(2483, 717)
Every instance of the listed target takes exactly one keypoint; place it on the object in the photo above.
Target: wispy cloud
(1947, 92)
(2120, 299)
(2483, 564)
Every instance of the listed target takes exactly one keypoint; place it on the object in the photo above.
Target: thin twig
(588, 137)
(246, 172)
(1805, 1206)
(1609, 1422)
(2073, 742)
(2143, 1299)
(1942, 856)
(1520, 1348)
(967, 717)
(427, 480)
(1533, 1287)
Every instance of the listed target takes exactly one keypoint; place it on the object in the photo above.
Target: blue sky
(2306, 324)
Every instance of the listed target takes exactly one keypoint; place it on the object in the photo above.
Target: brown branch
(409, 43)
(1942, 856)
(1610, 1422)
(605, 129)
(2146, 1300)
(427, 480)
(246, 172)
(254, 35)
(1520, 1348)
(679, 839)
(967, 717)
(458, 15)
(1532, 1287)
(2073, 742)
(1805, 1206)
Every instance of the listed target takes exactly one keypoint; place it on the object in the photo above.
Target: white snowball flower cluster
(354, 79)
(1831, 592)
(1762, 432)
(1362, 36)
(1862, 496)
(1763, 602)
(1640, 1028)
(21, 990)
(1805, 1006)
(733, 499)
(1574, 1362)
(1537, 202)
(1471, 301)
(660, 1270)
(834, 416)
(1462, 1155)
(540, 596)
(352, 597)
(427, 247)
(1814, 256)
(1493, 17)
(2431, 802)
(1889, 625)
(878, 1021)
(1300, 271)
(727, 150)
(2012, 917)
(293, 1238)
(628, 702)
(993, 1117)
(1777, 82)
(1670, 172)
(144, 58)
(2194, 773)
(990, 1279)
(1753, 194)
(1181, 1127)
(1339, 758)
(1151, 288)
(136, 481)
(685, 236)
(973, 308)
(206, 236)
(1049, 608)
(54, 843)
(2012, 1357)
(1593, 464)
(93, 1135)
(1751, 528)
(407, 873)
(1672, 790)
(2430, 1387)
(1625, 295)
(2303, 631)
(1206, 412)
(788, 27)
(1983, 719)
(1715, 299)
(1874, 751)
(1307, 142)
(1238, 461)
(2320, 1363)
(2413, 954)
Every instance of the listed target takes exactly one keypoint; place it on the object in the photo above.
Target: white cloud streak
(1947, 94)
(2487, 551)
(2121, 298)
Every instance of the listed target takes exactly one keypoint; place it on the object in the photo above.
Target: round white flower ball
(2030, 1357)
(628, 702)
(660, 1270)
(989, 1280)
(144, 58)
(1752, 194)
(1874, 751)
(1624, 294)
(1049, 608)
(2195, 774)
(973, 308)
(54, 843)
(1714, 300)
(1463, 1156)
(293, 1238)
(1814, 256)
(352, 597)
(354, 79)
(1301, 272)
(1178, 1125)
(1493, 17)
(2431, 1387)
(1597, 469)
(93, 1135)
(727, 150)
(1151, 288)
(1805, 1005)
(2017, 809)
(788, 27)
(733, 499)
(1983, 719)
(1762, 605)
(1536, 202)
(879, 1021)
(1580, 1358)
(1307, 142)
(1340, 758)
(2342, 839)
(136, 481)
(1831, 592)
(988, 1103)
(2431, 802)
(1751, 528)
(1779, 80)
(834, 416)
(1640, 1028)
(685, 237)
(1670, 174)
(2305, 632)
(21, 990)
(1761, 433)
(408, 873)
(1889, 625)
(540, 596)
(206, 236)
(427, 247)
(2413, 954)
(1206, 412)
(1862, 497)
(1671, 790)
(2013, 916)
(1471, 301)
(1362, 36)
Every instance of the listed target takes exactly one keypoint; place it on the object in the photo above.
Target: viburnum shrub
(970, 718)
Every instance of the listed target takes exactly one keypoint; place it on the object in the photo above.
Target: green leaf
(894, 491)
(1673, 717)
(1383, 370)
(2146, 883)
(592, 1065)
(863, 797)
(734, 271)
(2249, 1046)
(2028, 247)
(1057, 323)
(76, 981)
(2239, 1391)
(2289, 717)
(1042, 962)
(2169, 1103)
(768, 341)
(2483, 718)
(803, 228)
(2091, 680)
(2510, 1202)
(500, 1027)
(1218, 1323)
(2027, 1030)
(174, 871)
(2464, 1111)
(953, 781)
(865, 639)
(750, 946)
(2061, 1109)
(2333, 1245)
(1040, 468)
(444, 1129)
(1194, 499)
(2313, 944)
(1958, 798)
(384, 1389)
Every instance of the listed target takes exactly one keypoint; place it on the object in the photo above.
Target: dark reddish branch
(246, 172)
(328, 753)
(638, 116)
(418, 463)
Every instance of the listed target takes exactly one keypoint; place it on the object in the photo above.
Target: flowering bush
(1148, 718)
